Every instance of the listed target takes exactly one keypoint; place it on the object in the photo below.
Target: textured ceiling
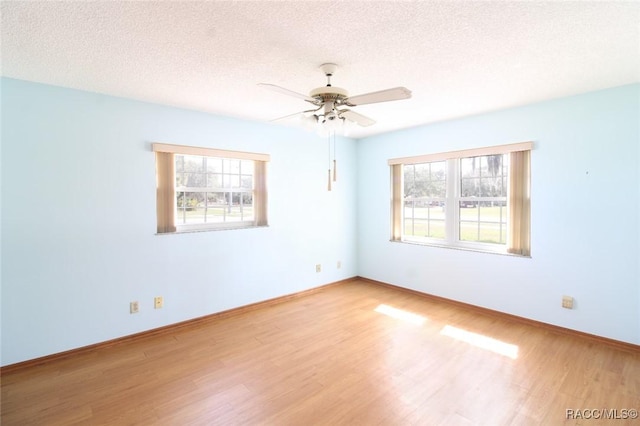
(458, 58)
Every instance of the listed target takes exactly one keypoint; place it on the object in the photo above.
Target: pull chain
(329, 174)
(335, 168)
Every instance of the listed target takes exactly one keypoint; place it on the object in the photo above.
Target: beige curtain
(165, 192)
(519, 237)
(396, 202)
(260, 193)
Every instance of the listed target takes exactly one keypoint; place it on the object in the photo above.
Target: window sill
(461, 248)
(195, 230)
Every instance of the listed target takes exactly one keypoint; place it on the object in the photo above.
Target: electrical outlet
(134, 308)
(567, 302)
(158, 302)
(339, 265)
(318, 268)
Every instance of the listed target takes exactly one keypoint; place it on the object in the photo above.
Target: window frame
(166, 188)
(521, 227)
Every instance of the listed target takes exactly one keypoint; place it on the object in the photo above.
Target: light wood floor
(332, 358)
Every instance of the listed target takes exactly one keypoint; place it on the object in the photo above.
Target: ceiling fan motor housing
(329, 94)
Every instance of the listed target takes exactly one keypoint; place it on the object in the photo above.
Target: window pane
(491, 211)
(436, 229)
(494, 164)
(230, 181)
(491, 187)
(194, 180)
(246, 167)
(190, 200)
(410, 228)
(217, 198)
(437, 210)
(214, 180)
(470, 167)
(246, 181)
(214, 165)
(468, 231)
(180, 179)
(234, 213)
(486, 187)
(180, 199)
(231, 166)
(194, 163)
(470, 187)
(247, 206)
(179, 163)
(489, 233)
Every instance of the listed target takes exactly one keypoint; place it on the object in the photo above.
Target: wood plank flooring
(335, 357)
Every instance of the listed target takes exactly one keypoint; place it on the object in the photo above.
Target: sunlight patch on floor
(401, 314)
(481, 341)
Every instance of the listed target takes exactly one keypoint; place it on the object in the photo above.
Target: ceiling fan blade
(301, 113)
(286, 116)
(287, 92)
(357, 118)
(395, 94)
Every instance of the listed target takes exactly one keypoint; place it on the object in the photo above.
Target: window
(203, 189)
(476, 199)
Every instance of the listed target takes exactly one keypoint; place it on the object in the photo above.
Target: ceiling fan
(331, 103)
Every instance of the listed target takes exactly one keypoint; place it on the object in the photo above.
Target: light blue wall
(585, 215)
(78, 220)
